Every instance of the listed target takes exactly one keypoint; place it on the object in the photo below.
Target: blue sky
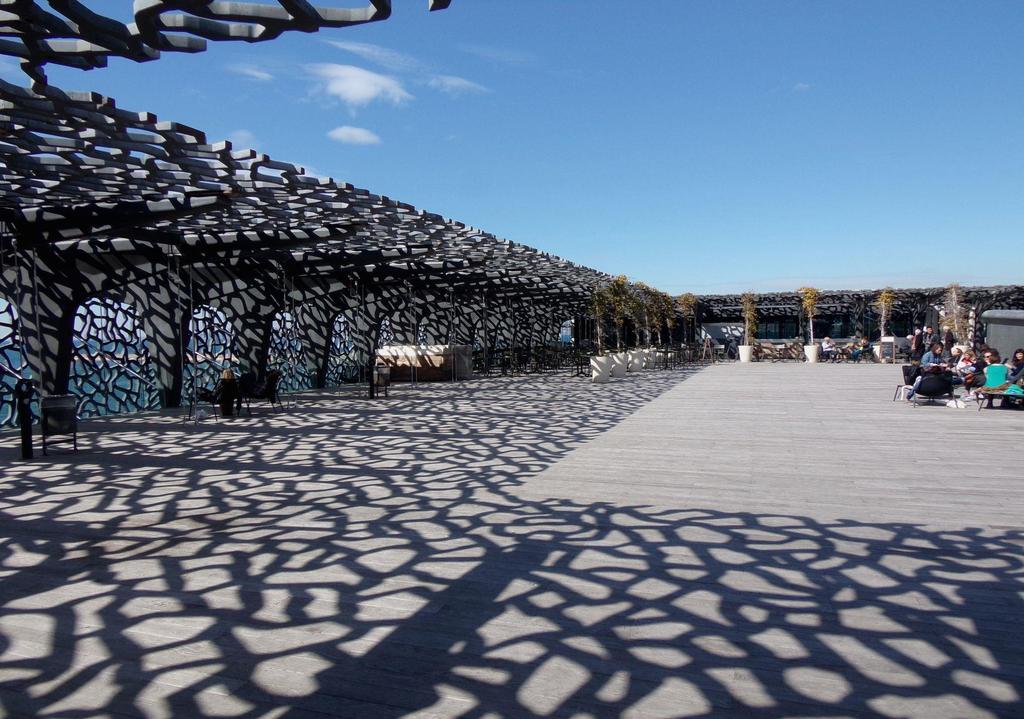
(697, 146)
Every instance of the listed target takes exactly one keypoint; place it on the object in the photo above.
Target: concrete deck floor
(740, 541)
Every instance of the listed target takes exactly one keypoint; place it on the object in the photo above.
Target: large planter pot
(619, 362)
(649, 358)
(600, 368)
(811, 352)
(636, 360)
(746, 353)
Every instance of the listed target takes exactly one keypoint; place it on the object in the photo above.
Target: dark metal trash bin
(228, 396)
(59, 416)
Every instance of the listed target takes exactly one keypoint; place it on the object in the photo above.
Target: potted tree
(636, 307)
(600, 364)
(883, 305)
(748, 304)
(668, 312)
(688, 309)
(619, 301)
(955, 315)
(643, 311)
(663, 317)
(654, 315)
(809, 301)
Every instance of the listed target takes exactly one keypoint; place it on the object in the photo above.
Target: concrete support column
(316, 324)
(166, 322)
(46, 309)
(252, 338)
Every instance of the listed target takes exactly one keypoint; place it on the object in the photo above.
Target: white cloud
(405, 65)
(354, 135)
(313, 172)
(454, 85)
(801, 87)
(243, 139)
(386, 58)
(251, 71)
(357, 87)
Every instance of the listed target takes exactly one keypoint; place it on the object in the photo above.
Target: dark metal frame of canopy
(98, 201)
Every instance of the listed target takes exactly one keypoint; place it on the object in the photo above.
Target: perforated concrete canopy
(69, 33)
(83, 178)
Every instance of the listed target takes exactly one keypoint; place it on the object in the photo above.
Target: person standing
(917, 345)
(948, 340)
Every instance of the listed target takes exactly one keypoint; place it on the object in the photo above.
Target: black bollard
(23, 391)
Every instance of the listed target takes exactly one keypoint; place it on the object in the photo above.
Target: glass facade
(835, 326)
(777, 329)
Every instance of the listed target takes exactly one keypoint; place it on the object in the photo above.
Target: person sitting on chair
(864, 346)
(937, 383)
(996, 375)
(225, 392)
(214, 395)
(1016, 365)
(974, 373)
(828, 349)
(933, 357)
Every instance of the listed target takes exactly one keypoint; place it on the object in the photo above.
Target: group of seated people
(857, 350)
(981, 373)
(860, 348)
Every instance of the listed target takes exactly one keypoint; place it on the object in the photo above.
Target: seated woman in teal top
(997, 381)
(996, 374)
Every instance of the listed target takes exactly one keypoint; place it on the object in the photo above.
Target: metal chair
(59, 417)
(932, 388)
(250, 389)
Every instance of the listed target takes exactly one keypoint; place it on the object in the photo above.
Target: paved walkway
(432, 555)
(824, 441)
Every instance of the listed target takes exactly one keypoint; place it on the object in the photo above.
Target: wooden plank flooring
(824, 441)
(716, 543)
